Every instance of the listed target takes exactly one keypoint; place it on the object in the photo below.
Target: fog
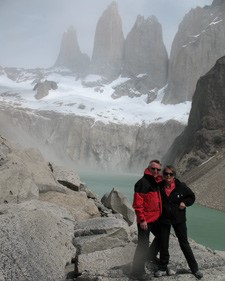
(31, 30)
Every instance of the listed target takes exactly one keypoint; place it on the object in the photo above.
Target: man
(148, 207)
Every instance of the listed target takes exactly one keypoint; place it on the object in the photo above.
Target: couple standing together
(160, 202)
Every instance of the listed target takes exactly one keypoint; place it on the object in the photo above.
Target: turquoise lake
(205, 225)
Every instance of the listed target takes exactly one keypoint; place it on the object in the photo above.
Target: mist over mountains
(123, 105)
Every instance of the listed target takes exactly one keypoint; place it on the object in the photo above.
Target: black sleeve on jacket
(189, 196)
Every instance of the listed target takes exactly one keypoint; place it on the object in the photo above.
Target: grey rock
(116, 201)
(76, 203)
(198, 44)
(199, 150)
(70, 55)
(102, 147)
(88, 191)
(36, 241)
(97, 226)
(66, 177)
(204, 132)
(134, 87)
(100, 242)
(211, 264)
(108, 44)
(105, 259)
(104, 211)
(145, 53)
(23, 174)
(43, 88)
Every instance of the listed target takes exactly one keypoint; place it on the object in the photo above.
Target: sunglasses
(168, 174)
(155, 169)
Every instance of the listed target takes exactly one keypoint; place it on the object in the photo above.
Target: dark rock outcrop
(70, 55)
(43, 88)
(199, 152)
(108, 44)
(205, 132)
(199, 42)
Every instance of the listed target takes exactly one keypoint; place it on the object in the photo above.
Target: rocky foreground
(54, 228)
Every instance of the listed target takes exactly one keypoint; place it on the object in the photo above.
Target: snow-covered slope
(82, 123)
(72, 97)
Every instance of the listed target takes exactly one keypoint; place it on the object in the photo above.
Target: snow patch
(72, 97)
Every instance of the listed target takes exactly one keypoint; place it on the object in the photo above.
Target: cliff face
(108, 44)
(204, 134)
(145, 59)
(199, 152)
(145, 52)
(199, 42)
(109, 147)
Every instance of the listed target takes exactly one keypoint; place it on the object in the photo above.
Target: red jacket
(147, 200)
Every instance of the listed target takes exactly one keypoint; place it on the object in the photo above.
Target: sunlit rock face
(70, 55)
(145, 53)
(199, 42)
(108, 44)
(205, 135)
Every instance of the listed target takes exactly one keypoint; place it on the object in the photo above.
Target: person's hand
(182, 206)
(144, 225)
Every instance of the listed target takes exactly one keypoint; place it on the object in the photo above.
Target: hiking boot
(161, 273)
(198, 274)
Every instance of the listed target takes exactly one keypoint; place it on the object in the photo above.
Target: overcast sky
(31, 30)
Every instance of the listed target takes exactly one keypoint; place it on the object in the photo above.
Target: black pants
(143, 251)
(181, 233)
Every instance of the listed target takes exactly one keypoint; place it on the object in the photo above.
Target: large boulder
(23, 174)
(102, 243)
(77, 203)
(118, 202)
(42, 88)
(36, 241)
(65, 176)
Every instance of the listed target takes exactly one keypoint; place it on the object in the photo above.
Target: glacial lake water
(205, 225)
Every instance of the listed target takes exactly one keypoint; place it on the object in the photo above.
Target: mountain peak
(70, 55)
(108, 43)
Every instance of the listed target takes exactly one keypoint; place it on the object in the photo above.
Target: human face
(154, 168)
(168, 175)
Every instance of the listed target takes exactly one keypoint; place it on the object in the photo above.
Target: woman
(176, 196)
